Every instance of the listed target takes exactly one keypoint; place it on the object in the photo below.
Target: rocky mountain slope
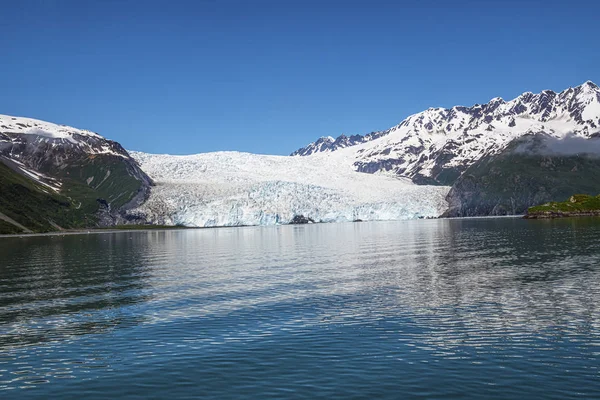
(437, 145)
(531, 170)
(94, 180)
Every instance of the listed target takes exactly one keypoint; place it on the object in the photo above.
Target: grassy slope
(34, 205)
(6, 227)
(576, 204)
(111, 181)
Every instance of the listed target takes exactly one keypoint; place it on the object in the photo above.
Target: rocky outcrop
(301, 219)
(578, 205)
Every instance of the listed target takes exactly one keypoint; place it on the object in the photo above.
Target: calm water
(494, 308)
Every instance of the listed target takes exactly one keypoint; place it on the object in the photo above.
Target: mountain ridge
(438, 144)
(56, 176)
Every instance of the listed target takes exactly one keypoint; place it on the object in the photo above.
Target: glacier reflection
(451, 289)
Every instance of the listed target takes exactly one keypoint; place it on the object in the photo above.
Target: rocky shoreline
(559, 214)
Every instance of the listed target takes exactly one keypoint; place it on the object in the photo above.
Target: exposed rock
(301, 219)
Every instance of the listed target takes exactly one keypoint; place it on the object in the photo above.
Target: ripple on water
(500, 308)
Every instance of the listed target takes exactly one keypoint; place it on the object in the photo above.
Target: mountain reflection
(54, 287)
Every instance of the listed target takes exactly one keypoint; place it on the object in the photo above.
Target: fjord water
(492, 308)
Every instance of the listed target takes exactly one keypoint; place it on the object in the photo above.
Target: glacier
(237, 189)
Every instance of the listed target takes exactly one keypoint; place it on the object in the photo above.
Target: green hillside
(34, 205)
(88, 185)
(578, 204)
(520, 177)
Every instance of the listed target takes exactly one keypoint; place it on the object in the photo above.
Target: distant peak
(590, 84)
(326, 139)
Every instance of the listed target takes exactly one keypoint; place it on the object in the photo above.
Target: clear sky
(264, 76)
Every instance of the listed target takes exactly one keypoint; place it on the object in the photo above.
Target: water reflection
(380, 298)
(57, 287)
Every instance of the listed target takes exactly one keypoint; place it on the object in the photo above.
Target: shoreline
(95, 231)
(560, 215)
(92, 231)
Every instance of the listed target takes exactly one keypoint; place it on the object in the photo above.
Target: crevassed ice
(231, 188)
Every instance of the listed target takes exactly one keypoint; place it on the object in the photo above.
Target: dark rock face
(301, 219)
(524, 175)
(380, 165)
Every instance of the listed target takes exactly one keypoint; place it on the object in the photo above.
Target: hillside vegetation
(577, 205)
(522, 176)
(34, 205)
(91, 188)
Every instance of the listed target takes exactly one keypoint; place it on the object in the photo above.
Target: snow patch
(42, 179)
(42, 128)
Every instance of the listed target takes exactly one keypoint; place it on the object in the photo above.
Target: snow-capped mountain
(82, 166)
(438, 144)
(231, 188)
(328, 143)
(89, 180)
(18, 132)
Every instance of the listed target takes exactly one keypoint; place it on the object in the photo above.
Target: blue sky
(263, 76)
